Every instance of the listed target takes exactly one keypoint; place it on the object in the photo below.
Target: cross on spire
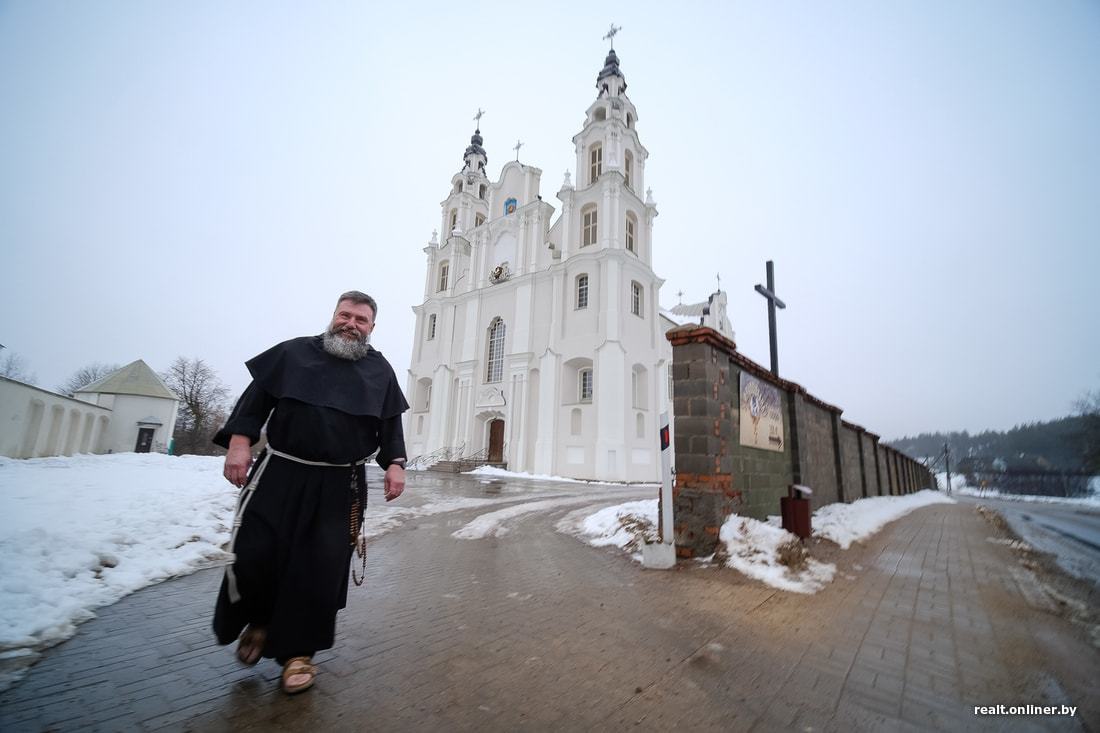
(610, 36)
(680, 295)
(516, 148)
(773, 303)
(477, 118)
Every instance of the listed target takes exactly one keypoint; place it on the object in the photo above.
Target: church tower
(539, 342)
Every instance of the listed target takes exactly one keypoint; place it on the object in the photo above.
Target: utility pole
(947, 463)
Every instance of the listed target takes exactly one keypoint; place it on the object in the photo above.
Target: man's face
(352, 321)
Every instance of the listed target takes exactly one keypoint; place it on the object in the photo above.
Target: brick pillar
(703, 496)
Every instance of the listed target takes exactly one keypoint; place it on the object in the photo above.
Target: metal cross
(517, 147)
(719, 276)
(611, 34)
(477, 117)
(680, 295)
(773, 303)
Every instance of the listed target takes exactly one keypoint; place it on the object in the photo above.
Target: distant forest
(1071, 444)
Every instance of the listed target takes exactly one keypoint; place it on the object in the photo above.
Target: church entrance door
(144, 441)
(496, 441)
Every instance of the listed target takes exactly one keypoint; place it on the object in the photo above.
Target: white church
(540, 342)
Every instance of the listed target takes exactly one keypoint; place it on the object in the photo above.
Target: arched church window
(510, 207)
(628, 169)
(584, 385)
(601, 114)
(431, 327)
(582, 292)
(636, 297)
(631, 227)
(588, 225)
(481, 191)
(479, 219)
(595, 162)
(458, 187)
(454, 220)
(629, 120)
(444, 268)
(494, 371)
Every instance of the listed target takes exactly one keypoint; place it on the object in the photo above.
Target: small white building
(143, 409)
(131, 409)
(540, 341)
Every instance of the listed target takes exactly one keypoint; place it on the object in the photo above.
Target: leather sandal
(298, 667)
(250, 647)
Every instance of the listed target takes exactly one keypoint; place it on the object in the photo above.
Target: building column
(549, 407)
(612, 385)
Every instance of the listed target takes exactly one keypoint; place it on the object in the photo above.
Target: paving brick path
(534, 630)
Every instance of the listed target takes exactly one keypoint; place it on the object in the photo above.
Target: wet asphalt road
(1069, 532)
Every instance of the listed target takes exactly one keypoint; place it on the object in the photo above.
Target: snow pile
(848, 523)
(622, 525)
(772, 555)
(79, 533)
(760, 550)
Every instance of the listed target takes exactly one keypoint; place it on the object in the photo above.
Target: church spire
(475, 156)
(610, 80)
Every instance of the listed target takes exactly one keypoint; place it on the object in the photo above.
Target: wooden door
(496, 441)
(144, 440)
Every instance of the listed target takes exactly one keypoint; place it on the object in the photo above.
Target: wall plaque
(761, 414)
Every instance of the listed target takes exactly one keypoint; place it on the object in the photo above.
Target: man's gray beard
(344, 348)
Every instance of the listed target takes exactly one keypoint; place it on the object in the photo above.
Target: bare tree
(14, 366)
(202, 408)
(85, 375)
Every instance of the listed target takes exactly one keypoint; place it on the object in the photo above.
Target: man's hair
(359, 298)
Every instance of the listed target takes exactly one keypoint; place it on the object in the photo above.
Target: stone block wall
(851, 462)
(717, 476)
(869, 443)
(816, 452)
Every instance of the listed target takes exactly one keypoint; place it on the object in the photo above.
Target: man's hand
(238, 460)
(395, 481)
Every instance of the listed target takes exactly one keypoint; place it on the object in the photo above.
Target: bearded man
(329, 402)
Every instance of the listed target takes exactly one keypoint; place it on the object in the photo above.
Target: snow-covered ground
(1084, 501)
(79, 533)
(502, 473)
(960, 486)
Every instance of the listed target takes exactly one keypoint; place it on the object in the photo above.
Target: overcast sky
(203, 178)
